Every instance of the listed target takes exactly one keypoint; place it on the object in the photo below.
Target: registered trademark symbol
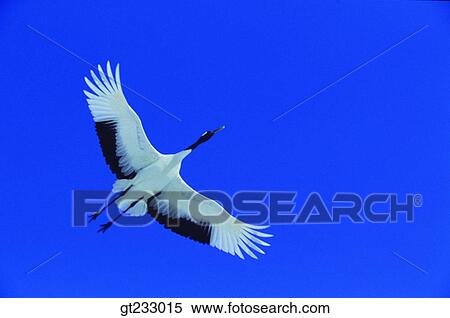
(418, 200)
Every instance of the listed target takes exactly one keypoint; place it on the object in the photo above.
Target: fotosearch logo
(262, 207)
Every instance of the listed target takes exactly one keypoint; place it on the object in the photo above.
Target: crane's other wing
(122, 138)
(186, 212)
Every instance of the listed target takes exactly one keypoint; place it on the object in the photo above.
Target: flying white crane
(149, 182)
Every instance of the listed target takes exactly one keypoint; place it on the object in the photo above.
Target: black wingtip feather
(106, 132)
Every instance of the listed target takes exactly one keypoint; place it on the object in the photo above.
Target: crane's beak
(218, 129)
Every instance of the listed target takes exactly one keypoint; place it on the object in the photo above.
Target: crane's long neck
(203, 138)
(195, 144)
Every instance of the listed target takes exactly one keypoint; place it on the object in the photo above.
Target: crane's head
(205, 137)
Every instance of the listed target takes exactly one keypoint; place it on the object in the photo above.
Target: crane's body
(150, 182)
(159, 174)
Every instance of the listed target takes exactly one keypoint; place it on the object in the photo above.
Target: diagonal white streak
(410, 263)
(349, 73)
(44, 262)
(91, 65)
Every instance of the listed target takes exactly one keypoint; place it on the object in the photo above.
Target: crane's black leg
(95, 215)
(106, 226)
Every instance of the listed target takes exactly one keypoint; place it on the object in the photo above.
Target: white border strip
(120, 307)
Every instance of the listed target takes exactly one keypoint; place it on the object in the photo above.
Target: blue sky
(374, 86)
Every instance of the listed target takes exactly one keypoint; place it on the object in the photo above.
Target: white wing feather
(230, 235)
(107, 103)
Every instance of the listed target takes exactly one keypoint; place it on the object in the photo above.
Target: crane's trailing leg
(107, 204)
(107, 225)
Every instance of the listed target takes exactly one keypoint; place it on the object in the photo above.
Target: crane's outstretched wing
(122, 138)
(186, 212)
